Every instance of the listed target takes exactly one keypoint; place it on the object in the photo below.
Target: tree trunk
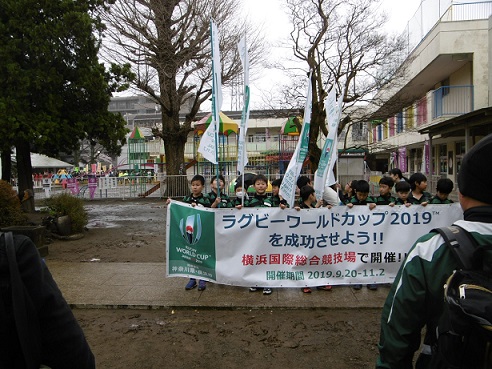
(177, 183)
(6, 165)
(24, 170)
(317, 120)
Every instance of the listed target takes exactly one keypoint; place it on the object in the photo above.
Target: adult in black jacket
(44, 331)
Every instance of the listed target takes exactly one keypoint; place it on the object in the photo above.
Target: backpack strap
(19, 304)
(461, 244)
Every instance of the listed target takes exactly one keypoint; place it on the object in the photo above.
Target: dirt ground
(134, 231)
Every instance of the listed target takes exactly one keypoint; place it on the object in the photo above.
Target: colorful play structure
(267, 162)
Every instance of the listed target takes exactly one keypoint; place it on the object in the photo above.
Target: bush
(65, 204)
(11, 213)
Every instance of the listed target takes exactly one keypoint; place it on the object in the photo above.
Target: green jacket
(416, 297)
(437, 200)
(426, 197)
(384, 200)
(225, 201)
(202, 200)
(275, 201)
(354, 200)
(258, 201)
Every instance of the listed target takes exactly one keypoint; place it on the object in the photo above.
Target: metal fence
(159, 186)
(145, 187)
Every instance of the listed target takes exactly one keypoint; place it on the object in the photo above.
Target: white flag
(324, 176)
(242, 159)
(209, 142)
(289, 182)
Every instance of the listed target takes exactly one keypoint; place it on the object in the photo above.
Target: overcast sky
(271, 17)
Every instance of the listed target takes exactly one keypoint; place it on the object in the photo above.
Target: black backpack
(464, 332)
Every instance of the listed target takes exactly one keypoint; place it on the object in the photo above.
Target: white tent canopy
(43, 161)
(39, 161)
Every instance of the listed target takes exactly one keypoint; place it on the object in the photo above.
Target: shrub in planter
(11, 213)
(65, 204)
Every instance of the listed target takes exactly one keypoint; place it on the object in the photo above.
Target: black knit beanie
(475, 176)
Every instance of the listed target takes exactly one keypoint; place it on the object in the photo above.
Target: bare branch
(168, 45)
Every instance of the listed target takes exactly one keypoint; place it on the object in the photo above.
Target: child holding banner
(196, 198)
(259, 200)
(221, 201)
(362, 195)
(443, 189)
(402, 189)
(275, 200)
(418, 184)
(349, 191)
(362, 198)
(240, 193)
(385, 197)
(309, 201)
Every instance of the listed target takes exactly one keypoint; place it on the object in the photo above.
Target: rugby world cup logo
(191, 230)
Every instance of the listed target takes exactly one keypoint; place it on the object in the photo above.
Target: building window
(460, 151)
(445, 87)
(422, 111)
(399, 122)
(443, 159)
(260, 137)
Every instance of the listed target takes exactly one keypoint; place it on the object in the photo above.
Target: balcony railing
(452, 100)
(430, 12)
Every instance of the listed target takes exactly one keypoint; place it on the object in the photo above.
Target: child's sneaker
(357, 286)
(253, 289)
(267, 291)
(306, 290)
(191, 284)
(202, 285)
(372, 286)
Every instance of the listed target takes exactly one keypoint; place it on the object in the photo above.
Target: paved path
(144, 286)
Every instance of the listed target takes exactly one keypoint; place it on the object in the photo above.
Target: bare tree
(344, 44)
(168, 44)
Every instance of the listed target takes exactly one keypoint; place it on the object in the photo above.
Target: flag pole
(242, 154)
(288, 186)
(208, 143)
(215, 108)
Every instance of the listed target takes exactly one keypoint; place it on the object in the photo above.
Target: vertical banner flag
(402, 159)
(209, 142)
(328, 154)
(242, 160)
(426, 158)
(331, 174)
(288, 186)
(92, 186)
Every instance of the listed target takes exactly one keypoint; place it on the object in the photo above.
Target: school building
(442, 106)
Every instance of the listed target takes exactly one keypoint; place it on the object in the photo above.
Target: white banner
(329, 153)
(208, 146)
(289, 182)
(271, 247)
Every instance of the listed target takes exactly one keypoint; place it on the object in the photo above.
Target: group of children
(406, 192)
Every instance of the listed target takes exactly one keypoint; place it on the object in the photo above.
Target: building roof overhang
(479, 122)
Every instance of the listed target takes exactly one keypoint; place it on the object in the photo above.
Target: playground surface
(221, 327)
